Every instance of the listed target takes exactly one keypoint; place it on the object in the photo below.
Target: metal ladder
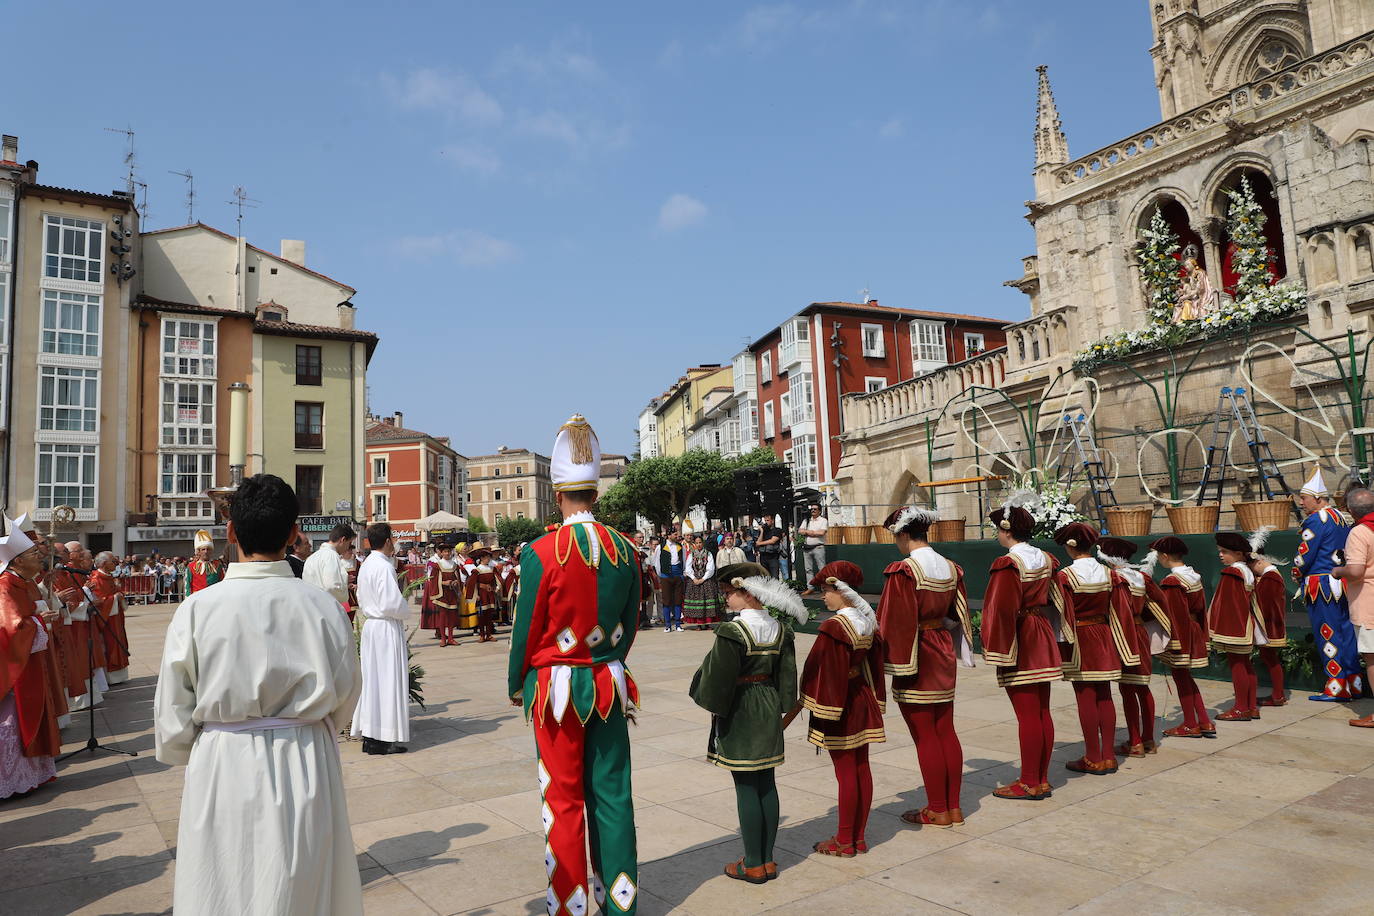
(1088, 456)
(1234, 408)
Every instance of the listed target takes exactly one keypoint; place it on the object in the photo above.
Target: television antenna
(241, 200)
(143, 207)
(130, 160)
(190, 193)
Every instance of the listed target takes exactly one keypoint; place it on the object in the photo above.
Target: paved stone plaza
(1273, 817)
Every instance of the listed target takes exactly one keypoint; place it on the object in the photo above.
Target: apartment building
(512, 483)
(682, 405)
(410, 475)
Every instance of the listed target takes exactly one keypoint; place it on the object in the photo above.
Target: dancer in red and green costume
(575, 620)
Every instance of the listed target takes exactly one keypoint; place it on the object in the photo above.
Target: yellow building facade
(681, 405)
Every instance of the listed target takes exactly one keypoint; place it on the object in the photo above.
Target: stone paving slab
(1271, 817)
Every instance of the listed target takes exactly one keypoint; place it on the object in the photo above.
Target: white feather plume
(1259, 537)
(857, 602)
(911, 514)
(1147, 565)
(775, 594)
(1112, 561)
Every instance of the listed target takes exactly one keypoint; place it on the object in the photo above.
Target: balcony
(926, 394)
(1042, 340)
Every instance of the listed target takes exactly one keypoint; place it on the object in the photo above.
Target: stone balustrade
(1352, 54)
(925, 393)
(1040, 340)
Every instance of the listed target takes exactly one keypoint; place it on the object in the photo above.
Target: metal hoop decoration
(1140, 465)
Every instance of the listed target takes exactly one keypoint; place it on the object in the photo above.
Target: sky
(556, 207)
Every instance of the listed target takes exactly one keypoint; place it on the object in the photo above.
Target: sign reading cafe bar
(315, 524)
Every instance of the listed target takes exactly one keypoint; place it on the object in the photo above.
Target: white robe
(325, 569)
(264, 821)
(384, 707)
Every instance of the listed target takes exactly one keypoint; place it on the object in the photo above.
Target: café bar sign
(179, 533)
(317, 524)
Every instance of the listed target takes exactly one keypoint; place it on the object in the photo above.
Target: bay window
(74, 249)
(70, 324)
(66, 476)
(188, 347)
(186, 474)
(68, 399)
(188, 413)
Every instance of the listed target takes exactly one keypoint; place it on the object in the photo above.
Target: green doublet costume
(747, 687)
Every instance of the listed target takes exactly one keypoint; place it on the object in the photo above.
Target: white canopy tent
(442, 521)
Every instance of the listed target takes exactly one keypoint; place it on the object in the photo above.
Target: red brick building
(410, 475)
(800, 386)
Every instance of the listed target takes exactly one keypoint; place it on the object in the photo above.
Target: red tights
(1097, 716)
(1243, 680)
(1269, 657)
(1190, 698)
(937, 750)
(856, 793)
(1138, 705)
(1035, 728)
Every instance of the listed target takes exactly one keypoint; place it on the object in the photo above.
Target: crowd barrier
(139, 589)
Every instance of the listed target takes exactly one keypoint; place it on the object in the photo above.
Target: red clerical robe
(79, 655)
(1019, 635)
(842, 686)
(29, 674)
(1186, 605)
(110, 601)
(1232, 614)
(918, 617)
(1271, 597)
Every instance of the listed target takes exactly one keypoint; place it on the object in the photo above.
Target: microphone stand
(92, 744)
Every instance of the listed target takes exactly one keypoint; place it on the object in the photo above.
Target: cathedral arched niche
(1177, 211)
(1228, 178)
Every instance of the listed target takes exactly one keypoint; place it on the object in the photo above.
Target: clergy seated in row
(255, 673)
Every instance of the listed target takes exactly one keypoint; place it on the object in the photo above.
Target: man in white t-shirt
(814, 529)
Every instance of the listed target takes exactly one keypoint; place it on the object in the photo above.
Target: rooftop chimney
(9, 148)
(397, 419)
(293, 250)
(346, 312)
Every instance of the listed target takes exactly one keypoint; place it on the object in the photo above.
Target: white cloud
(891, 128)
(579, 133)
(762, 26)
(671, 56)
(553, 63)
(469, 158)
(467, 247)
(679, 212)
(449, 92)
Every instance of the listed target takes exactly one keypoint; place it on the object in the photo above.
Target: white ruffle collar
(931, 563)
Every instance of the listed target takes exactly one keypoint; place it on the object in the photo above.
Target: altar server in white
(254, 674)
(383, 715)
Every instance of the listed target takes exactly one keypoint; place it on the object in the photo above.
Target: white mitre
(576, 460)
(15, 540)
(1316, 485)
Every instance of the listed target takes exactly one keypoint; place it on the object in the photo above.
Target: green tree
(615, 508)
(512, 531)
(476, 525)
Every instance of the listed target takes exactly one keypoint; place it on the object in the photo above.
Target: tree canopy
(513, 531)
(665, 489)
(476, 524)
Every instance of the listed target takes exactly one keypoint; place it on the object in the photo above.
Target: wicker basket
(856, 534)
(947, 529)
(1132, 522)
(1277, 513)
(878, 534)
(1193, 519)
(834, 534)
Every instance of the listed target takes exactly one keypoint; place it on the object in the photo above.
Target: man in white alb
(254, 673)
(325, 568)
(383, 714)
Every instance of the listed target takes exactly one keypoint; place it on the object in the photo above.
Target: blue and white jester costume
(1324, 533)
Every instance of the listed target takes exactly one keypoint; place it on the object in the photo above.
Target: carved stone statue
(1196, 297)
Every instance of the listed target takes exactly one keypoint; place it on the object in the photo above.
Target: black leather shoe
(396, 749)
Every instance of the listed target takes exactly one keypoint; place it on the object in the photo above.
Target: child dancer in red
(924, 621)
(842, 686)
(1271, 598)
(1021, 628)
(1141, 609)
(1101, 648)
(1185, 604)
(1232, 619)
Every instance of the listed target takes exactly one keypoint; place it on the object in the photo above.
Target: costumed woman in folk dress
(30, 691)
(924, 621)
(484, 590)
(442, 597)
(1021, 629)
(842, 686)
(701, 602)
(1271, 600)
(747, 681)
(1102, 646)
(1233, 620)
(1141, 609)
(1185, 603)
